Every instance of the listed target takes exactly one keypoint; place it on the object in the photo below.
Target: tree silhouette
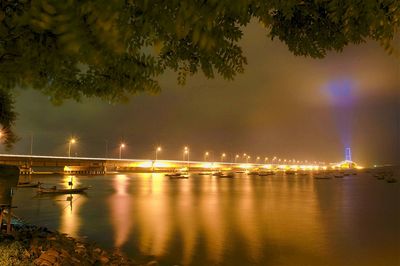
(113, 49)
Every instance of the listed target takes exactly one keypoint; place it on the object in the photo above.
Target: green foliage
(7, 119)
(115, 48)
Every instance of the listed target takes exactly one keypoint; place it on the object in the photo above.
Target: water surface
(247, 220)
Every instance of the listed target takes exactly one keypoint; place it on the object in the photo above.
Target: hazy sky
(287, 106)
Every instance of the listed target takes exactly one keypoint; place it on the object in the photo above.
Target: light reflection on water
(275, 220)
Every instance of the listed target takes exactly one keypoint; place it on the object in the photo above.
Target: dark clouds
(279, 106)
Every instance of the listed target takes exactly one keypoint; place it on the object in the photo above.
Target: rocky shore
(32, 245)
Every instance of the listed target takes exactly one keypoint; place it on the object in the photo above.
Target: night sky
(283, 105)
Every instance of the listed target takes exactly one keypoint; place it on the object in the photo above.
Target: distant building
(347, 163)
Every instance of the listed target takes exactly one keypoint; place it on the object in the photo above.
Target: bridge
(85, 165)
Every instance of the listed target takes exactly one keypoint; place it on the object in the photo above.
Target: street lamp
(157, 150)
(265, 159)
(247, 159)
(185, 151)
(71, 141)
(121, 146)
(257, 159)
(236, 157)
(206, 156)
(223, 157)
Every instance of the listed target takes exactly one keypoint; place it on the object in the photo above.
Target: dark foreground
(32, 245)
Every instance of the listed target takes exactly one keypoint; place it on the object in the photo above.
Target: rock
(104, 259)
(26, 254)
(152, 263)
(97, 250)
(49, 257)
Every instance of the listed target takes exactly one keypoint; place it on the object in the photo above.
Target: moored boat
(181, 176)
(322, 177)
(226, 175)
(265, 173)
(28, 184)
(55, 190)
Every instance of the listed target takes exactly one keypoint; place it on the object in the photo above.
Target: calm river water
(247, 220)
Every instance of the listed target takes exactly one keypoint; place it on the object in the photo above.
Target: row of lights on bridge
(186, 155)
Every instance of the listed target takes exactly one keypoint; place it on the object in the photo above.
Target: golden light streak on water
(154, 231)
(211, 218)
(121, 210)
(70, 218)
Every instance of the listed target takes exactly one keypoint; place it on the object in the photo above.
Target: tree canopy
(115, 48)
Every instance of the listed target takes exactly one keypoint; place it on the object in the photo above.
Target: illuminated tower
(347, 154)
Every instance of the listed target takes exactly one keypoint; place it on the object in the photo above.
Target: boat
(174, 174)
(289, 172)
(55, 190)
(28, 184)
(338, 176)
(180, 176)
(322, 177)
(391, 180)
(204, 173)
(221, 174)
(252, 173)
(226, 175)
(218, 173)
(265, 173)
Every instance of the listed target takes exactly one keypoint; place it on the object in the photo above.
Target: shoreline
(34, 245)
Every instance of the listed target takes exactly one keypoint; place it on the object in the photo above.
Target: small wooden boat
(252, 173)
(322, 177)
(204, 173)
(226, 175)
(175, 174)
(55, 190)
(265, 173)
(289, 172)
(28, 184)
(219, 173)
(181, 176)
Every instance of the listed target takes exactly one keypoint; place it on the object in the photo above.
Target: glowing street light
(223, 157)
(265, 159)
(236, 157)
(248, 158)
(257, 159)
(121, 146)
(186, 151)
(206, 156)
(157, 150)
(71, 141)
